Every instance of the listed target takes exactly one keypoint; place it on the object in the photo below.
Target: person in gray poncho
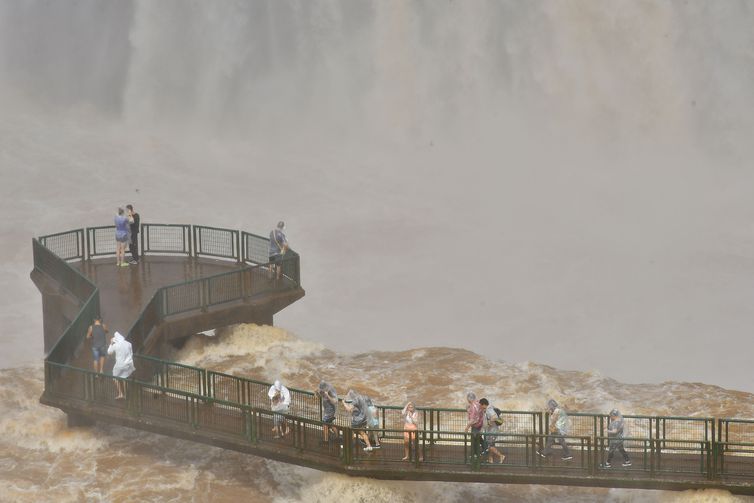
(357, 406)
(557, 431)
(615, 439)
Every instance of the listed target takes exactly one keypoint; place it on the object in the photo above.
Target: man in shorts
(278, 247)
(356, 405)
(492, 424)
(329, 397)
(98, 334)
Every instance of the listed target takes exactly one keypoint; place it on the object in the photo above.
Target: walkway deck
(226, 411)
(125, 291)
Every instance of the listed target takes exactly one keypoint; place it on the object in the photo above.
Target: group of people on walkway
(363, 412)
(558, 430)
(127, 223)
(484, 422)
(118, 347)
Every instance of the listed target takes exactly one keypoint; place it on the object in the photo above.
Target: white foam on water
(242, 347)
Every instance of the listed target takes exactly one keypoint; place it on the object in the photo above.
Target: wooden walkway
(198, 416)
(214, 424)
(125, 291)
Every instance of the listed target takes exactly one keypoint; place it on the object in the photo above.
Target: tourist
(475, 421)
(492, 422)
(329, 399)
(373, 422)
(278, 247)
(615, 439)
(280, 399)
(355, 404)
(97, 332)
(134, 220)
(124, 362)
(558, 429)
(410, 417)
(121, 238)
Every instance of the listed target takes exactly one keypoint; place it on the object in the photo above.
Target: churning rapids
(110, 463)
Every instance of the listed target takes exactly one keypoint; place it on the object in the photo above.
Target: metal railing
(216, 242)
(172, 239)
(77, 285)
(52, 253)
(65, 245)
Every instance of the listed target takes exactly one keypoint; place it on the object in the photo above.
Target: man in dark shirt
(96, 333)
(134, 220)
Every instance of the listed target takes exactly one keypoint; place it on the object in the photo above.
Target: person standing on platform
(278, 247)
(121, 238)
(98, 334)
(124, 362)
(329, 397)
(615, 439)
(558, 429)
(280, 398)
(134, 221)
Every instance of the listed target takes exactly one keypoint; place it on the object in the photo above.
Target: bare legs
(120, 253)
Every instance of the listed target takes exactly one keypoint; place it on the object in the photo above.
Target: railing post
(347, 446)
(475, 454)
(193, 240)
(141, 241)
(591, 456)
(414, 440)
(247, 425)
(708, 464)
(88, 244)
(204, 295)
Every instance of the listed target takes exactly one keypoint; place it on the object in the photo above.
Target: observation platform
(194, 278)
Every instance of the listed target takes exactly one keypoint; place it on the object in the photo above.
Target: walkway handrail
(52, 253)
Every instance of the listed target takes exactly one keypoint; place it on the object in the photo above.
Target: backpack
(499, 420)
(373, 416)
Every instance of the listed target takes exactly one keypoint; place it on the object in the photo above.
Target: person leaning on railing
(281, 402)
(97, 332)
(278, 247)
(124, 362)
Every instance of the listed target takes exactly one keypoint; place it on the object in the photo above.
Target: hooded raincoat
(124, 356)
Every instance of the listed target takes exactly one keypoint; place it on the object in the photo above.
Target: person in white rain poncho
(124, 361)
(281, 402)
